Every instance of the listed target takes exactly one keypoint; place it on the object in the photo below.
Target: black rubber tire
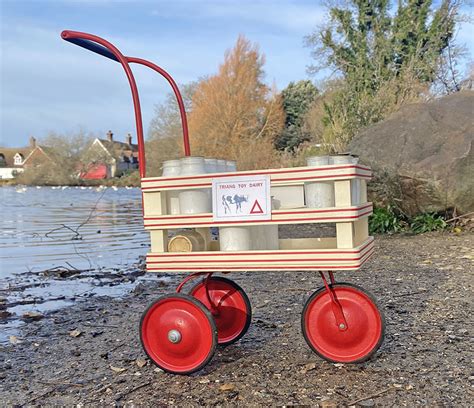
(370, 296)
(246, 300)
(211, 321)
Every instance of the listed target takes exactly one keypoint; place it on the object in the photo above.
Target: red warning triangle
(256, 209)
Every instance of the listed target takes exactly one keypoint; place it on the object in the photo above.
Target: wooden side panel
(289, 216)
(293, 259)
(351, 247)
(279, 177)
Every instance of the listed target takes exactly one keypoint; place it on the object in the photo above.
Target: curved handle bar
(91, 46)
(100, 46)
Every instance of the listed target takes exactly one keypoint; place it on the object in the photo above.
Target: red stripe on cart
(262, 260)
(294, 220)
(264, 268)
(250, 268)
(274, 213)
(322, 211)
(282, 252)
(258, 173)
(270, 260)
(209, 184)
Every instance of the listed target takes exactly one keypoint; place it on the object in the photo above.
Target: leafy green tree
(383, 60)
(297, 98)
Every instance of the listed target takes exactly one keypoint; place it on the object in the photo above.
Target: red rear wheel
(365, 322)
(233, 310)
(178, 333)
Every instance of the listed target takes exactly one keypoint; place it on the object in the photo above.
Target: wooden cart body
(347, 250)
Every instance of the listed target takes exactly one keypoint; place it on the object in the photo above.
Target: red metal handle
(179, 98)
(110, 51)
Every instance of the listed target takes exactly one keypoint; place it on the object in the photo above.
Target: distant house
(14, 160)
(107, 158)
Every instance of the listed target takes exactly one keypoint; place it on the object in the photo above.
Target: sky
(49, 85)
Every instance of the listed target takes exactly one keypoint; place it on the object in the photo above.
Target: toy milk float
(198, 198)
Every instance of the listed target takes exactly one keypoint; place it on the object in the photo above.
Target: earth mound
(427, 148)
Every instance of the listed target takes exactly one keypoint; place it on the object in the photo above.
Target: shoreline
(99, 183)
(423, 285)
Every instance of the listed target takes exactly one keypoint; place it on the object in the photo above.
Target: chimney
(32, 142)
(110, 136)
(128, 139)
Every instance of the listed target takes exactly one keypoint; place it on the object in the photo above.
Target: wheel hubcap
(174, 336)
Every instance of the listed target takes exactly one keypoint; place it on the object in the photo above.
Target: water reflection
(84, 228)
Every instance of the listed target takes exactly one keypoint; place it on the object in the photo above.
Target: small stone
(140, 362)
(227, 387)
(328, 404)
(308, 367)
(75, 333)
(139, 289)
(32, 316)
(15, 340)
(367, 403)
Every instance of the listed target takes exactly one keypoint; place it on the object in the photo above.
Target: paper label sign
(241, 198)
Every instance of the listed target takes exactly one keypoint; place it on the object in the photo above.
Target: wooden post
(344, 230)
(159, 240)
(361, 230)
(342, 192)
(363, 191)
(154, 203)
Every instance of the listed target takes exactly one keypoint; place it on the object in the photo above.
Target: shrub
(427, 222)
(385, 220)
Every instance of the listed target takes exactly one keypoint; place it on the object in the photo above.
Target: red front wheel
(232, 311)
(365, 324)
(178, 333)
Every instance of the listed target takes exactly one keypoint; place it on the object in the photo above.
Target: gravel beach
(89, 354)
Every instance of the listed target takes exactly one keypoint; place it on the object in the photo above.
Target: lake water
(74, 227)
(96, 230)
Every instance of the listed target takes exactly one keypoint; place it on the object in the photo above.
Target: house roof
(26, 153)
(118, 149)
(47, 152)
(10, 152)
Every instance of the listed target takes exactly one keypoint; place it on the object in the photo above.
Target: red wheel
(233, 312)
(178, 333)
(365, 322)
